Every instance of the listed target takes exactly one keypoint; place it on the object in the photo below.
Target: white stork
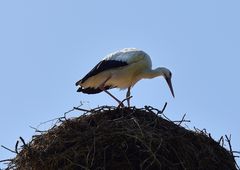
(122, 69)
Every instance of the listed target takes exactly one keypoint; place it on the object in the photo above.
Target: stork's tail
(89, 90)
(78, 82)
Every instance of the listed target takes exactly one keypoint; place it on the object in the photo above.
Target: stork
(122, 69)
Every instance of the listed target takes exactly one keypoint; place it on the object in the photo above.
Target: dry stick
(75, 108)
(182, 120)
(6, 160)
(150, 157)
(121, 103)
(228, 139)
(138, 126)
(47, 121)
(80, 109)
(63, 117)
(8, 149)
(238, 152)
(16, 147)
(164, 107)
(94, 150)
(229, 143)
(147, 147)
(24, 144)
(104, 157)
(68, 112)
(148, 109)
(38, 131)
(83, 167)
(221, 141)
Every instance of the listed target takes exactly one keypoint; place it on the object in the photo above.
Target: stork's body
(121, 69)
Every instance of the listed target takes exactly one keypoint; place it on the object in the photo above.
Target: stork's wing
(91, 90)
(102, 66)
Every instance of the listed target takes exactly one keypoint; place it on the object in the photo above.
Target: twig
(6, 160)
(228, 139)
(67, 113)
(138, 126)
(236, 152)
(182, 120)
(150, 109)
(94, 150)
(83, 167)
(84, 110)
(47, 121)
(120, 104)
(16, 147)
(221, 141)
(22, 140)
(60, 118)
(8, 149)
(164, 107)
(36, 130)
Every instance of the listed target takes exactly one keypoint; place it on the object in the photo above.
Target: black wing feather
(91, 90)
(102, 66)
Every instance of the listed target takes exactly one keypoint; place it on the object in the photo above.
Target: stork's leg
(119, 102)
(102, 88)
(128, 96)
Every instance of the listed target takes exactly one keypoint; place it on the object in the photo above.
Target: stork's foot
(121, 103)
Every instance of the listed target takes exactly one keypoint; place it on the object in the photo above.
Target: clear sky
(46, 46)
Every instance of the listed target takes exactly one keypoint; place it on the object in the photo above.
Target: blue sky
(46, 46)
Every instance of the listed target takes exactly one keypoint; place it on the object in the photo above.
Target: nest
(122, 139)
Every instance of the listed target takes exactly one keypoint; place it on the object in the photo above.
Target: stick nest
(112, 138)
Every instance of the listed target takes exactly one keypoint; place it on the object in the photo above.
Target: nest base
(127, 138)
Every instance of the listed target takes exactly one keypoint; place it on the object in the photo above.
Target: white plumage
(121, 69)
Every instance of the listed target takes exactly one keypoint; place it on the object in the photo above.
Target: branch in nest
(24, 143)
(228, 139)
(182, 120)
(80, 109)
(16, 147)
(6, 160)
(164, 107)
(9, 149)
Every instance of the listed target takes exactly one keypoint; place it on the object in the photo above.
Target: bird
(122, 69)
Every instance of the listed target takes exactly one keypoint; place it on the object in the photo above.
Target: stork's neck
(151, 73)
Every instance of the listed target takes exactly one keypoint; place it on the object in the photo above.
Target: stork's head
(166, 73)
(160, 71)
